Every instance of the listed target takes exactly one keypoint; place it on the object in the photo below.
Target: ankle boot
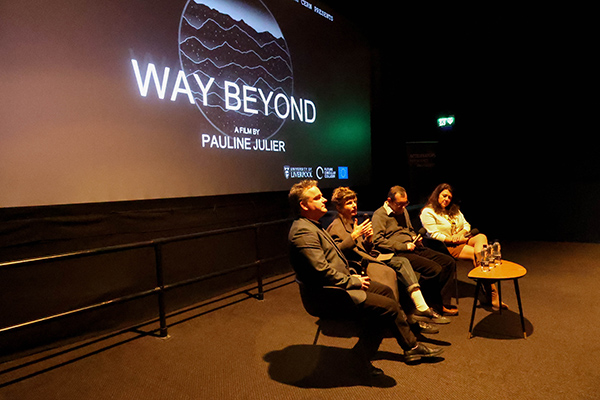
(495, 299)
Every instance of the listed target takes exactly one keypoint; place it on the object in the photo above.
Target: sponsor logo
(319, 172)
(325, 173)
(297, 172)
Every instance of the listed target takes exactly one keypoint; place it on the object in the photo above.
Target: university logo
(297, 172)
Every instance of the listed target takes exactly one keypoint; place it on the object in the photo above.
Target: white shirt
(442, 227)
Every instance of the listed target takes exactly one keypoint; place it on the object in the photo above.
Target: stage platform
(237, 347)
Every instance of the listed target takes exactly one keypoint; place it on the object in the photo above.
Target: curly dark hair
(433, 201)
(341, 195)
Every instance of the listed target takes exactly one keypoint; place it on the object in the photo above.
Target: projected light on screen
(179, 99)
(249, 62)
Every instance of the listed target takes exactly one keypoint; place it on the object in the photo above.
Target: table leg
(518, 292)
(477, 288)
(500, 296)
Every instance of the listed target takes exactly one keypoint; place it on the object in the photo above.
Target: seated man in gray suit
(393, 233)
(318, 262)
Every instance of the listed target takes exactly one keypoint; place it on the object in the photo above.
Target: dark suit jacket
(319, 262)
(355, 252)
(360, 251)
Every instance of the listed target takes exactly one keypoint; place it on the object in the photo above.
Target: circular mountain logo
(238, 52)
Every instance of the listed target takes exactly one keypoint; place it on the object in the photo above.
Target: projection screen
(126, 100)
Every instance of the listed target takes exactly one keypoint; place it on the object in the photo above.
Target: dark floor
(240, 348)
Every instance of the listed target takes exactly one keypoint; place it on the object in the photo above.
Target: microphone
(365, 217)
(473, 232)
(422, 232)
(364, 263)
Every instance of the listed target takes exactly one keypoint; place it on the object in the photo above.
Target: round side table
(508, 270)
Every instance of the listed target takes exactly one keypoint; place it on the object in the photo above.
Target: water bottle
(490, 257)
(485, 261)
(497, 254)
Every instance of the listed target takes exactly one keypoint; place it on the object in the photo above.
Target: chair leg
(317, 335)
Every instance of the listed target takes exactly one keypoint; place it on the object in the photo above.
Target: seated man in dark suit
(318, 262)
(393, 233)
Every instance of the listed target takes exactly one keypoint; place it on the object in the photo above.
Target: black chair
(337, 313)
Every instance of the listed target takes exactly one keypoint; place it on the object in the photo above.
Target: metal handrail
(160, 288)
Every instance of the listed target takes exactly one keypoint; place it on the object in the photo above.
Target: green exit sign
(446, 122)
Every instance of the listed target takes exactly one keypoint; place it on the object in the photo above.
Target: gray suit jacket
(319, 262)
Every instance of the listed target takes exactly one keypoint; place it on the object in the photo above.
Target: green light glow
(351, 131)
(446, 121)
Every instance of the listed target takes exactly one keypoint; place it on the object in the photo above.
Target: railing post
(261, 293)
(162, 315)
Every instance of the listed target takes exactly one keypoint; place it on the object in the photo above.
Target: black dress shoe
(373, 371)
(430, 315)
(365, 365)
(421, 351)
(424, 327)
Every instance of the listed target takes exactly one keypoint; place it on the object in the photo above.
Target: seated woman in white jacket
(445, 222)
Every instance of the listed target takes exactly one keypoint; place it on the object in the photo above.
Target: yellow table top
(507, 270)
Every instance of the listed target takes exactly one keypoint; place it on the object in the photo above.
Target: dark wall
(520, 84)
(36, 231)
(39, 290)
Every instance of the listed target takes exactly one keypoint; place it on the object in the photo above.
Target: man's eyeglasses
(401, 203)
